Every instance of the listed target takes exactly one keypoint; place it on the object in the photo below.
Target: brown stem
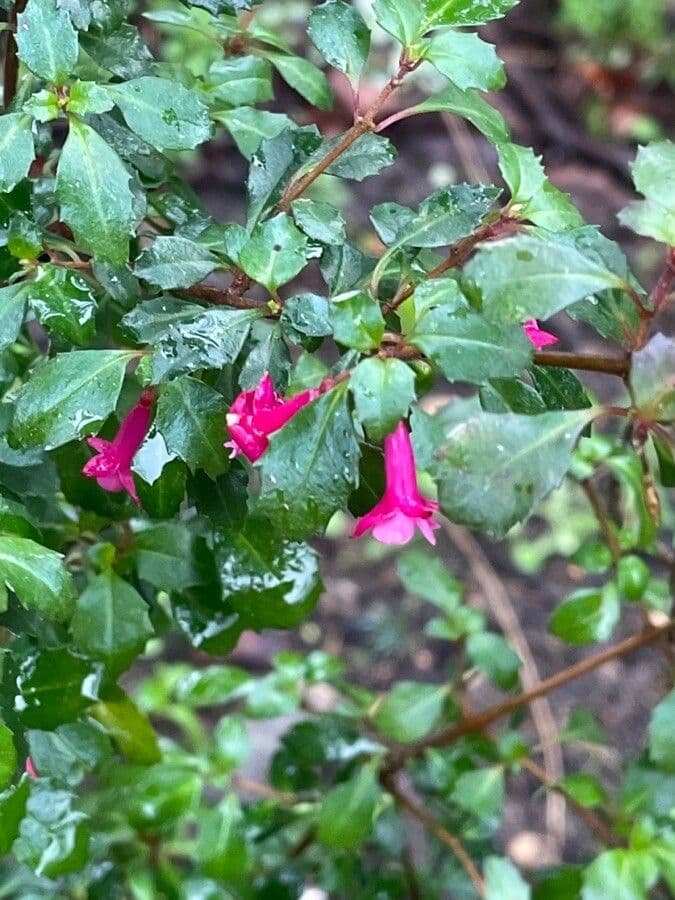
(364, 123)
(230, 296)
(11, 72)
(660, 293)
(603, 518)
(610, 365)
(458, 255)
(435, 827)
(480, 721)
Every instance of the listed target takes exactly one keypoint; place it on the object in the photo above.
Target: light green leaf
(410, 710)
(621, 875)
(92, 186)
(249, 126)
(588, 615)
(110, 618)
(37, 576)
(367, 156)
(87, 98)
(469, 105)
(12, 312)
(466, 60)
(401, 18)
(503, 881)
(240, 81)
(463, 12)
(190, 417)
(311, 466)
(541, 202)
(8, 759)
(347, 811)
(383, 390)
(174, 262)
(164, 113)
(304, 77)
(662, 734)
(533, 275)
(481, 792)
(493, 469)
(69, 396)
(357, 321)
(339, 33)
(584, 789)
(275, 252)
(47, 41)
(16, 149)
(319, 221)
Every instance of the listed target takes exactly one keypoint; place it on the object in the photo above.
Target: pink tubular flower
(394, 518)
(30, 768)
(112, 466)
(537, 336)
(257, 413)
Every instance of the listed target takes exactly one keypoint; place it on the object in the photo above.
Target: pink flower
(257, 413)
(394, 518)
(112, 467)
(537, 336)
(30, 768)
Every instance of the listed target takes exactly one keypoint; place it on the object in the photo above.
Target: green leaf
(654, 174)
(503, 881)
(320, 221)
(12, 811)
(367, 156)
(621, 875)
(69, 396)
(466, 60)
(357, 321)
(469, 105)
(532, 275)
(275, 252)
(304, 77)
(584, 789)
(159, 795)
(168, 557)
(222, 848)
(587, 616)
(410, 710)
(150, 320)
(53, 838)
(128, 727)
(662, 734)
(43, 106)
(306, 315)
(494, 656)
(481, 792)
(383, 390)
(463, 12)
(212, 686)
(582, 725)
(347, 811)
(270, 582)
(502, 395)
(37, 576)
(110, 618)
(240, 81)
(493, 469)
(401, 18)
(174, 262)
(47, 41)
(12, 312)
(311, 466)
(339, 33)
(16, 149)
(426, 576)
(272, 166)
(190, 417)
(249, 126)
(8, 758)
(122, 52)
(164, 113)
(92, 186)
(64, 302)
(538, 199)
(87, 98)
(652, 378)
(559, 388)
(70, 752)
(467, 347)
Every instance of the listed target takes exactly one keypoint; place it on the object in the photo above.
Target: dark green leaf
(37, 576)
(493, 469)
(16, 149)
(240, 81)
(8, 758)
(92, 186)
(68, 396)
(270, 582)
(12, 811)
(306, 315)
(311, 466)
(320, 221)
(367, 156)
(586, 616)
(12, 312)
(47, 41)
(150, 320)
(168, 556)
(304, 77)
(174, 262)
(122, 52)
(190, 417)
(249, 126)
(383, 390)
(357, 321)
(401, 18)
(275, 252)
(463, 12)
(493, 655)
(164, 113)
(560, 388)
(63, 302)
(339, 33)
(110, 618)
(502, 395)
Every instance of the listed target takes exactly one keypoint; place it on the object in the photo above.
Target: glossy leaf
(339, 33)
(110, 617)
(12, 312)
(464, 12)
(466, 60)
(174, 262)
(53, 838)
(588, 615)
(401, 18)
(366, 157)
(383, 390)
(469, 105)
(319, 221)
(275, 252)
(37, 576)
(249, 127)
(357, 321)
(64, 303)
(304, 77)
(16, 149)
(68, 396)
(47, 41)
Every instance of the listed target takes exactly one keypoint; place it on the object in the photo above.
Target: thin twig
(230, 296)
(602, 516)
(478, 722)
(11, 69)
(659, 295)
(242, 783)
(435, 827)
(611, 365)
